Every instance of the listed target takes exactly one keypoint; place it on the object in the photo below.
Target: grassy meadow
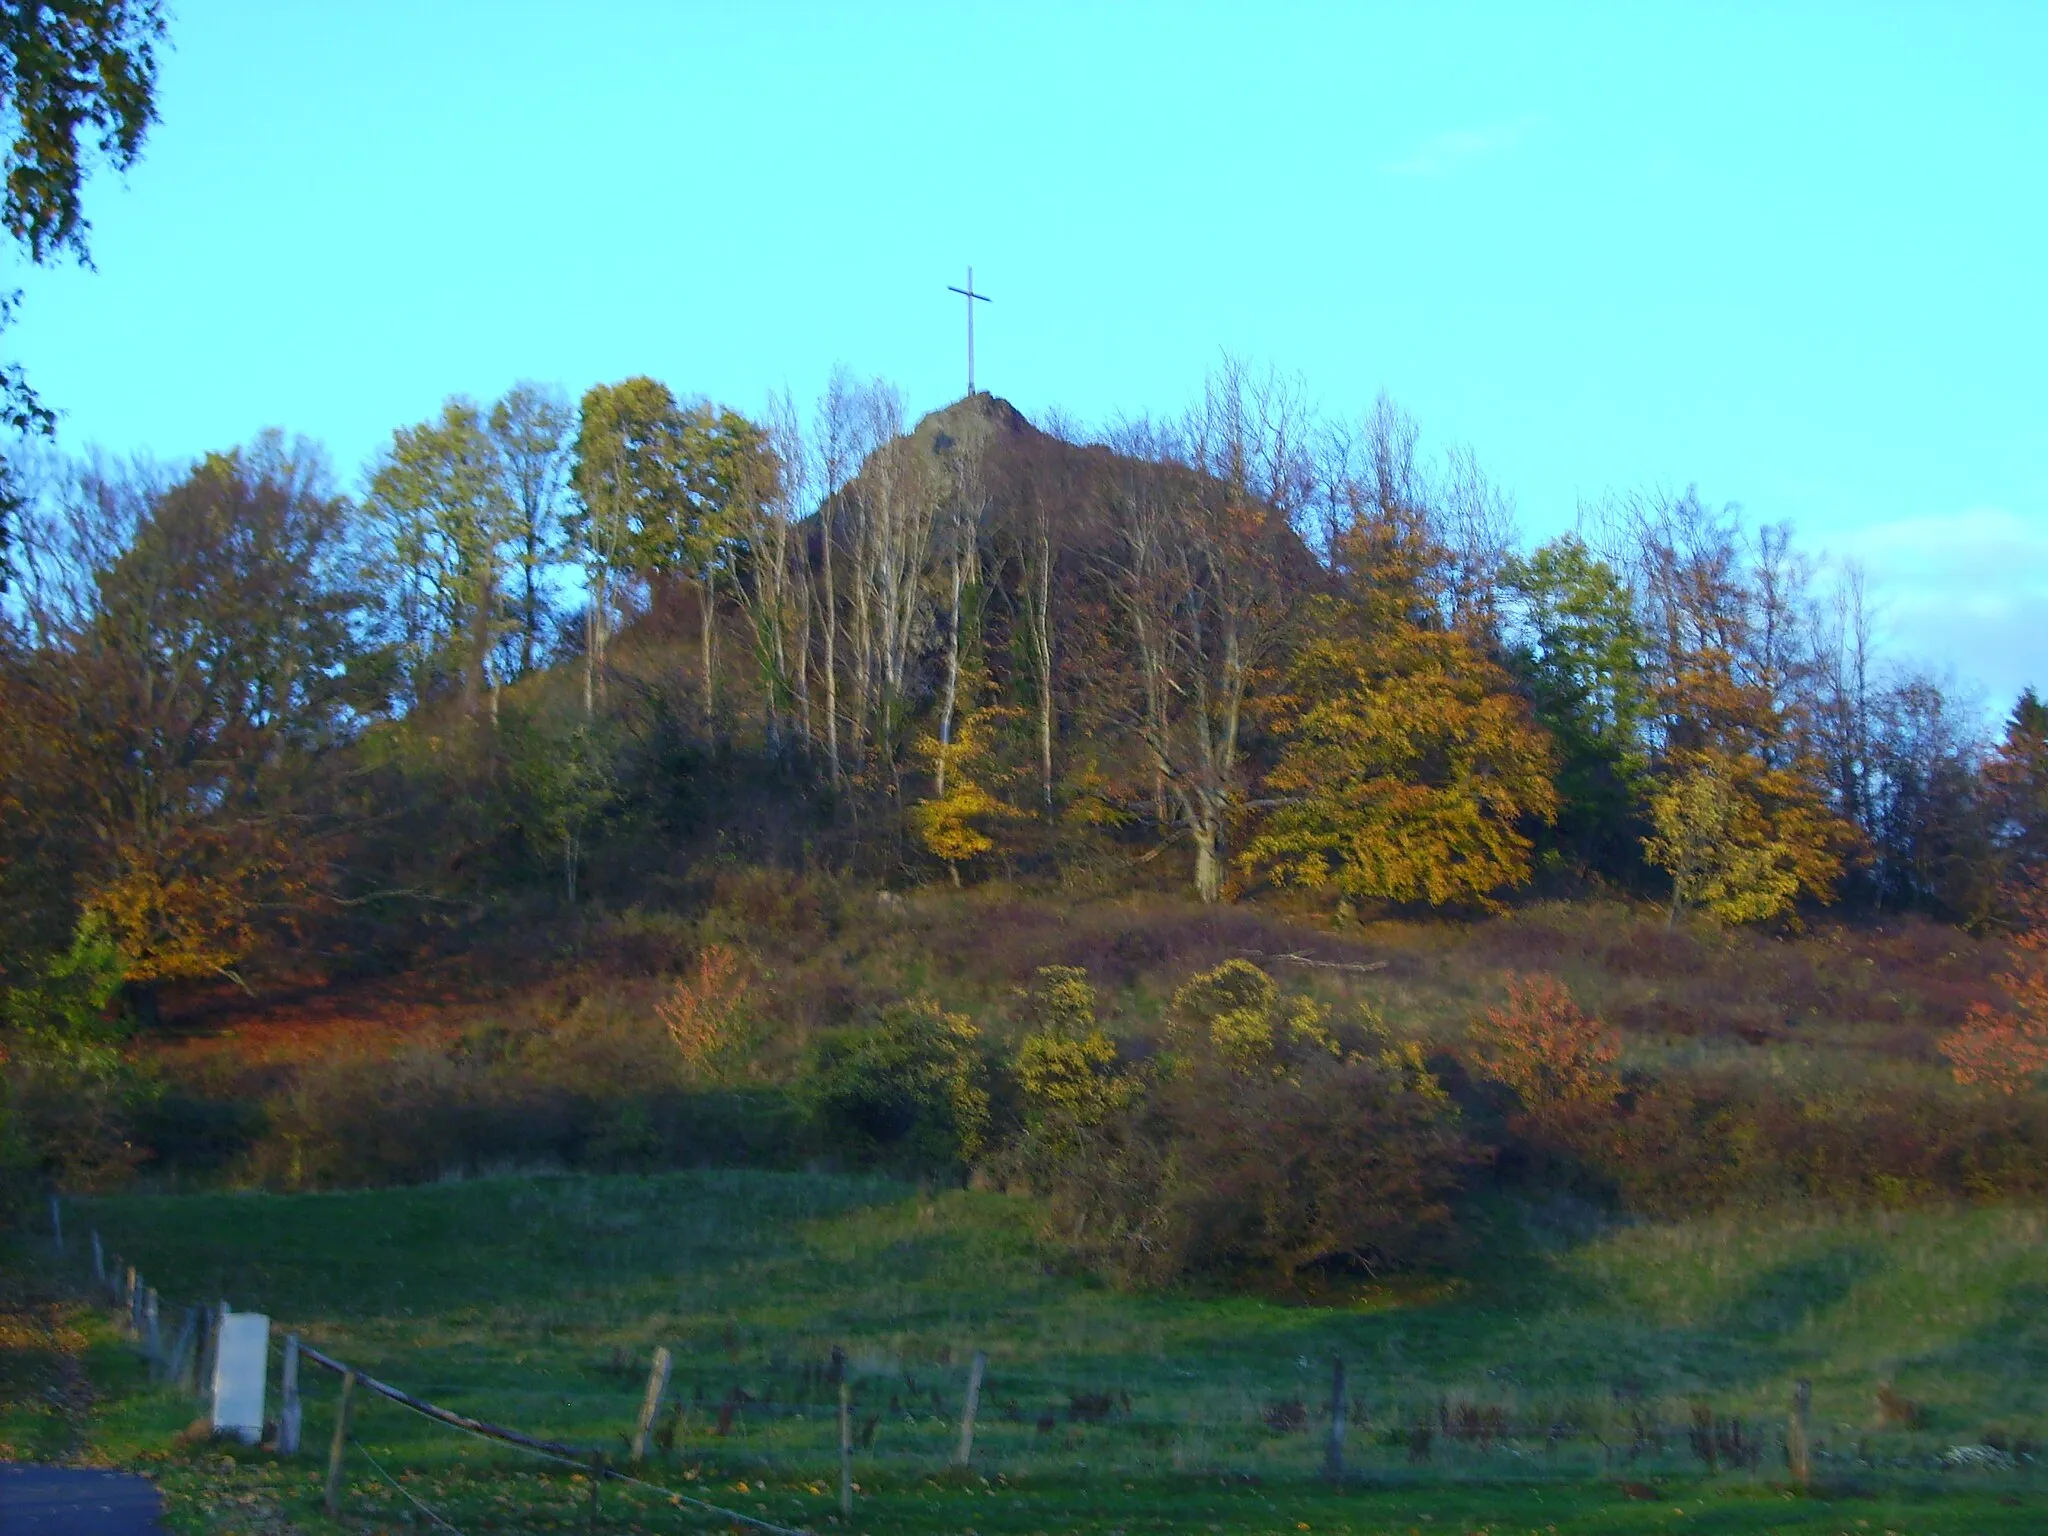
(1555, 1384)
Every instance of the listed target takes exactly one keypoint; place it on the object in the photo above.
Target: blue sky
(1793, 253)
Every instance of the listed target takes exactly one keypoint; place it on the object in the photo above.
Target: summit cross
(972, 298)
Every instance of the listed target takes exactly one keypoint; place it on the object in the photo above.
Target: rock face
(1031, 479)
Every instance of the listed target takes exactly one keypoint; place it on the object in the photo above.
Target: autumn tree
(957, 822)
(69, 1088)
(838, 437)
(193, 652)
(1274, 1145)
(960, 539)
(1726, 625)
(1740, 842)
(1410, 771)
(1540, 1044)
(1036, 634)
(668, 489)
(908, 1090)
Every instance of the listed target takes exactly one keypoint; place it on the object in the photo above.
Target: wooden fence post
(288, 1409)
(99, 1260)
(1798, 1447)
(57, 1226)
(131, 1300)
(152, 1335)
(1333, 1455)
(337, 1450)
(650, 1404)
(975, 1368)
(845, 1433)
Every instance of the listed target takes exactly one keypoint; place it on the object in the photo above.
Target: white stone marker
(241, 1362)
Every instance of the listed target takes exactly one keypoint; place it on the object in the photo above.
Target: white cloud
(1463, 147)
(1964, 590)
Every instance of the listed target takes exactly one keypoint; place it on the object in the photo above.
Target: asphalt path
(77, 1501)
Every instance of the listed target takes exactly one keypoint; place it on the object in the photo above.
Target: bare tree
(1843, 653)
(837, 444)
(966, 508)
(1038, 557)
(1208, 571)
(895, 502)
(775, 593)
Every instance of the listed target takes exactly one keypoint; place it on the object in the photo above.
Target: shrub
(1558, 1061)
(1267, 1148)
(1340, 1163)
(704, 1013)
(69, 1093)
(601, 1086)
(2005, 1052)
(1066, 1065)
(1067, 1077)
(1233, 1015)
(908, 1091)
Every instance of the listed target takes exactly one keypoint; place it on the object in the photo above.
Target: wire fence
(831, 1420)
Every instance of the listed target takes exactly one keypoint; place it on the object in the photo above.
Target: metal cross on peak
(971, 297)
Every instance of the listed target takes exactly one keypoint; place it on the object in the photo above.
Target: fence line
(429, 1410)
(1718, 1442)
(140, 1305)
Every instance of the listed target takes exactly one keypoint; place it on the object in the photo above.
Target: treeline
(551, 650)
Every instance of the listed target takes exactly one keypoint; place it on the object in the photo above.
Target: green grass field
(1566, 1367)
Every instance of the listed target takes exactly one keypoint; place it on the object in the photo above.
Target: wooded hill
(1247, 648)
(637, 704)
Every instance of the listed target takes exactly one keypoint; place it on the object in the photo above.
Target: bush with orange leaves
(2005, 1052)
(1560, 1064)
(704, 1012)
(1554, 1056)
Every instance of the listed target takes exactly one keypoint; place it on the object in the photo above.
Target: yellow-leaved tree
(1411, 769)
(1740, 841)
(954, 822)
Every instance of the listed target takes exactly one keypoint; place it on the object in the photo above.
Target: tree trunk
(1208, 879)
(1042, 654)
(831, 658)
(530, 626)
(952, 680)
(706, 611)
